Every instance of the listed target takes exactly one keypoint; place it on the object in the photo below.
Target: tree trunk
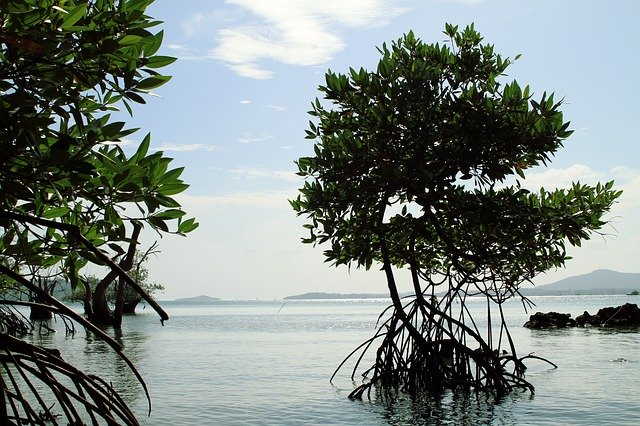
(117, 312)
(40, 313)
(88, 306)
(129, 306)
(102, 315)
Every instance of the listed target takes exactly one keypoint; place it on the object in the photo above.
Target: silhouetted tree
(418, 165)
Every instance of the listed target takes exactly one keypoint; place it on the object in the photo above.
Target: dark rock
(586, 319)
(627, 315)
(541, 320)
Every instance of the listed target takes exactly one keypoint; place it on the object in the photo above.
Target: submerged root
(427, 350)
(79, 398)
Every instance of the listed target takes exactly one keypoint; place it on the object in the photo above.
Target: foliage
(419, 165)
(139, 273)
(69, 195)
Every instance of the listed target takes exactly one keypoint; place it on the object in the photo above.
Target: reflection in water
(92, 355)
(135, 346)
(460, 408)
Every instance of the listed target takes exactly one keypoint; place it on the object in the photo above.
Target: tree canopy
(420, 164)
(69, 194)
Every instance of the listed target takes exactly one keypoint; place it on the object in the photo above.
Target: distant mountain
(330, 296)
(600, 281)
(198, 299)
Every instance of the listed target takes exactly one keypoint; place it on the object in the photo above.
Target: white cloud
(199, 22)
(196, 204)
(468, 2)
(294, 32)
(190, 147)
(185, 52)
(176, 47)
(245, 102)
(628, 181)
(562, 178)
(248, 138)
(190, 26)
(625, 178)
(583, 131)
(627, 173)
(253, 173)
(251, 70)
(277, 107)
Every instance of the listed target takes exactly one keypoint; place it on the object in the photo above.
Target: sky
(235, 112)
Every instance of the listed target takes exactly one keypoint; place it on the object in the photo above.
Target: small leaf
(169, 214)
(74, 16)
(54, 212)
(152, 82)
(188, 226)
(172, 188)
(158, 223)
(159, 61)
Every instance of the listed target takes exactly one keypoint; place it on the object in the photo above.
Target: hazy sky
(234, 115)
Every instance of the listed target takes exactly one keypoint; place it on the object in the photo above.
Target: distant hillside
(330, 296)
(334, 296)
(601, 281)
(198, 299)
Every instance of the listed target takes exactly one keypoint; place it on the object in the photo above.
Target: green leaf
(153, 44)
(74, 15)
(172, 188)
(137, 5)
(54, 212)
(159, 61)
(152, 82)
(142, 150)
(171, 176)
(169, 214)
(129, 40)
(158, 223)
(134, 97)
(187, 226)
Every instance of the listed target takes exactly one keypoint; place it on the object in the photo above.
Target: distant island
(333, 296)
(601, 281)
(198, 299)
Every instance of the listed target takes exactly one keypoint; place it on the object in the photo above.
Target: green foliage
(419, 164)
(64, 68)
(69, 194)
(418, 153)
(139, 273)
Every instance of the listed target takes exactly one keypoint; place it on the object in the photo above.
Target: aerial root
(24, 364)
(427, 350)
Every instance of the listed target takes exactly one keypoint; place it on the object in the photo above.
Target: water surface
(269, 363)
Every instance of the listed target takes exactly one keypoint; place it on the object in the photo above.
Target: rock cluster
(627, 315)
(541, 320)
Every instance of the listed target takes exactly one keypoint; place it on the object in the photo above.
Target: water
(262, 363)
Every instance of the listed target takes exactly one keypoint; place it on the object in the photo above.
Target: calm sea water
(265, 363)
